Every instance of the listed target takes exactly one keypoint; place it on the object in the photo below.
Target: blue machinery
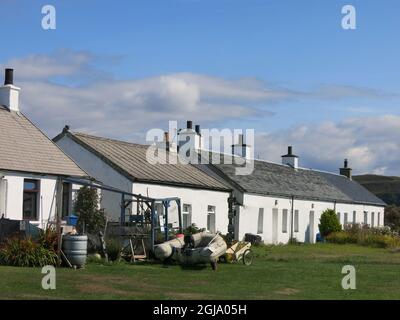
(146, 209)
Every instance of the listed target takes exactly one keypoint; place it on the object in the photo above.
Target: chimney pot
(166, 138)
(197, 129)
(346, 171)
(290, 159)
(189, 124)
(66, 128)
(240, 142)
(9, 94)
(9, 76)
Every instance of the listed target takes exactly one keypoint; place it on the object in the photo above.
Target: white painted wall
(100, 170)
(199, 199)
(11, 196)
(248, 216)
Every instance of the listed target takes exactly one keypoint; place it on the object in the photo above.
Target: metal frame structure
(140, 201)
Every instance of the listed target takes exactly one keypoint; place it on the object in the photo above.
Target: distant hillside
(386, 188)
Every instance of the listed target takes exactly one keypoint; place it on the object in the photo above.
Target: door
(311, 229)
(275, 226)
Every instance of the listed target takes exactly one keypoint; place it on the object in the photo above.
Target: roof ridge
(108, 139)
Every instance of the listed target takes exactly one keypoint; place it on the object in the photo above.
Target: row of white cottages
(275, 201)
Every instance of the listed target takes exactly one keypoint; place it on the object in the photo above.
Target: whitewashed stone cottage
(124, 166)
(30, 164)
(276, 201)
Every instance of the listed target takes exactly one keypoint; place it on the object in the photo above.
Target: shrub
(48, 239)
(90, 218)
(341, 237)
(26, 253)
(113, 248)
(366, 236)
(329, 223)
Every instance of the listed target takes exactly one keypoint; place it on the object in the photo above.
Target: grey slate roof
(23, 147)
(130, 160)
(281, 180)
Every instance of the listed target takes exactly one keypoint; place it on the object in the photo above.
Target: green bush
(113, 248)
(329, 223)
(26, 253)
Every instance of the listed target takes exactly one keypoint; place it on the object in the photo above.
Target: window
(338, 216)
(379, 219)
(260, 222)
(296, 220)
(186, 215)
(284, 220)
(211, 219)
(354, 217)
(66, 191)
(30, 206)
(365, 217)
(372, 219)
(345, 219)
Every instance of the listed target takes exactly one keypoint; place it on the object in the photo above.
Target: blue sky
(323, 75)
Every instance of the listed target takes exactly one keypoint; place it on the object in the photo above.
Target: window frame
(209, 214)
(284, 220)
(372, 219)
(36, 192)
(296, 221)
(345, 218)
(68, 195)
(260, 221)
(186, 213)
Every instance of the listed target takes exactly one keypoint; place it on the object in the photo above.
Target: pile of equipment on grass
(199, 248)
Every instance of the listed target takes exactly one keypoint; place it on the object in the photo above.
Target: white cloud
(121, 108)
(370, 143)
(127, 108)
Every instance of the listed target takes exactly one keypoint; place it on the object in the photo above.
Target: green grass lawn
(278, 272)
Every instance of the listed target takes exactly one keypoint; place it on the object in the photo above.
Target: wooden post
(178, 202)
(122, 217)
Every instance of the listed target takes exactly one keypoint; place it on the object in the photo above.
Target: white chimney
(290, 159)
(9, 94)
(241, 149)
(191, 137)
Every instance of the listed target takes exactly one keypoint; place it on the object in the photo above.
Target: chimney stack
(166, 138)
(290, 159)
(345, 171)
(9, 94)
(241, 149)
(191, 137)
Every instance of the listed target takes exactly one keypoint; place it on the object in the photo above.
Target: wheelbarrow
(240, 251)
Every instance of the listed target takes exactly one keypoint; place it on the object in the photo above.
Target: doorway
(275, 226)
(311, 231)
